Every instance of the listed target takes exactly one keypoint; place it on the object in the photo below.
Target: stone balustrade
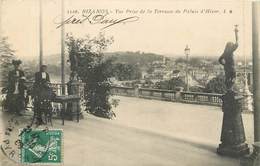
(157, 94)
(169, 95)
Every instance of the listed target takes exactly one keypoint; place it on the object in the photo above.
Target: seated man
(42, 76)
(42, 94)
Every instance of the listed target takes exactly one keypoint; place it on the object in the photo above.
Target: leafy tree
(126, 71)
(92, 70)
(216, 85)
(196, 89)
(6, 57)
(150, 69)
(171, 84)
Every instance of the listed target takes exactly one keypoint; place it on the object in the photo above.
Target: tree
(6, 57)
(92, 70)
(126, 71)
(150, 69)
(171, 84)
(216, 85)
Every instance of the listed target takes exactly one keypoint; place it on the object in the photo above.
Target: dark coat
(12, 79)
(15, 102)
(39, 79)
(40, 83)
(41, 87)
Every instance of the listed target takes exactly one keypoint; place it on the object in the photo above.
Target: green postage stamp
(41, 146)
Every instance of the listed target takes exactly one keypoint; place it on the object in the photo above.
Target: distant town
(149, 70)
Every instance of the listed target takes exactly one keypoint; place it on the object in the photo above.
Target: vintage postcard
(130, 83)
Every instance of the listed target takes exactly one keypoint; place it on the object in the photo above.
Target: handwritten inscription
(92, 18)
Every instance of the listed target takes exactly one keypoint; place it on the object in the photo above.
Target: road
(148, 133)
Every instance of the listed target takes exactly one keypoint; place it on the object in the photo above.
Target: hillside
(140, 58)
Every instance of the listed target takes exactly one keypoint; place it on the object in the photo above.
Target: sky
(162, 33)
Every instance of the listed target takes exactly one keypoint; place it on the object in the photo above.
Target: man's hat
(16, 62)
(43, 66)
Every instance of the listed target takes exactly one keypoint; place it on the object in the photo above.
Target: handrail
(158, 90)
(161, 94)
(122, 87)
(203, 93)
(170, 95)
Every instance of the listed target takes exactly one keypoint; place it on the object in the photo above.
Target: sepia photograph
(130, 83)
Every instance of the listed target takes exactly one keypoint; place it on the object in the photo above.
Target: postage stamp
(41, 146)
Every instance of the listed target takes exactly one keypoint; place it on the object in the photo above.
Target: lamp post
(187, 52)
(62, 50)
(40, 34)
(1, 13)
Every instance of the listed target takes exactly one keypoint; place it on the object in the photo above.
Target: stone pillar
(178, 93)
(254, 158)
(232, 134)
(73, 108)
(137, 91)
(256, 68)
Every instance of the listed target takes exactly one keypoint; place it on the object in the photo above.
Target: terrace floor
(148, 133)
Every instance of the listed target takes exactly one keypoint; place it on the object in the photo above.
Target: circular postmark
(11, 143)
(25, 143)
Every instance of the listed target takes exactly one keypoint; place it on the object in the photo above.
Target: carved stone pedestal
(232, 134)
(254, 158)
(73, 108)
